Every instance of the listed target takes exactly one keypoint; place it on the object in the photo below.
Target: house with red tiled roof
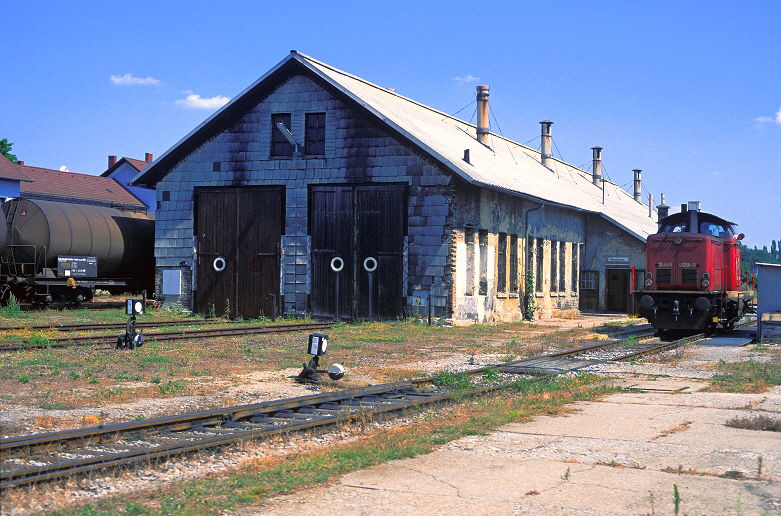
(125, 169)
(10, 178)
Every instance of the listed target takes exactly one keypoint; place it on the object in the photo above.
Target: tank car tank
(40, 231)
(692, 278)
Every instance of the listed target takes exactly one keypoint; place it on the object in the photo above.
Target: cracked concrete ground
(622, 455)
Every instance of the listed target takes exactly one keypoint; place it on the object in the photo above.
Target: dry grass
(674, 430)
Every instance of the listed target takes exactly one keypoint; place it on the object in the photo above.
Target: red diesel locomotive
(692, 279)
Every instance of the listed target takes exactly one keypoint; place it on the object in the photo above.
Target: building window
(575, 265)
(216, 166)
(554, 262)
(469, 240)
(540, 265)
(513, 264)
(562, 266)
(280, 146)
(589, 280)
(501, 262)
(315, 133)
(483, 241)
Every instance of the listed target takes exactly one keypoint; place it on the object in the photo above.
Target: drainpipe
(638, 185)
(482, 114)
(545, 143)
(596, 168)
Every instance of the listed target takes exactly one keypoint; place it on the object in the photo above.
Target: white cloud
(468, 78)
(196, 101)
(769, 119)
(129, 79)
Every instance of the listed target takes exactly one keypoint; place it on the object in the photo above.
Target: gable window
(280, 146)
(315, 133)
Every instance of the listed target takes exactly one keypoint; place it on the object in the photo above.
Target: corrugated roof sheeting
(505, 165)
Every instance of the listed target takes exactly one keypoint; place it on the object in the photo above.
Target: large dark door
(618, 290)
(355, 228)
(239, 232)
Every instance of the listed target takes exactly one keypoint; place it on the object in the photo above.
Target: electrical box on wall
(172, 282)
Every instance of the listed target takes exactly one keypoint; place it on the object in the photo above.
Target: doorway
(238, 237)
(357, 236)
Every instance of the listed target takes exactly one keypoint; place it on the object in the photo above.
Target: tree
(5, 150)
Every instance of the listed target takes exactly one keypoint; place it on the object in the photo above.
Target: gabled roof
(502, 165)
(11, 171)
(56, 184)
(137, 164)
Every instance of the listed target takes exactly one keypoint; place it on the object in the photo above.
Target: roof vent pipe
(482, 114)
(596, 167)
(466, 156)
(545, 143)
(638, 185)
(662, 210)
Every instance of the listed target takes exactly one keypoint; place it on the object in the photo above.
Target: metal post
(371, 296)
(337, 297)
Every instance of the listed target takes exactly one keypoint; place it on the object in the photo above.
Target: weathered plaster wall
(494, 212)
(604, 242)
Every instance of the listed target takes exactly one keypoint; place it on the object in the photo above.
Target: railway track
(108, 326)
(44, 457)
(62, 342)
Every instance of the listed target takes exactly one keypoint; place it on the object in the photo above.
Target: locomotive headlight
(649, 274)
(648, 282)
(705, 283)
(705, 275)
(705, 279)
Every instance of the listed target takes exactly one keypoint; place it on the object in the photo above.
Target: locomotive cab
(692, 279)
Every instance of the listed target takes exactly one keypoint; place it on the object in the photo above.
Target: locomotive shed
(346, 492)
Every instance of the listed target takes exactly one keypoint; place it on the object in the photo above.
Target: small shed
(769, 302)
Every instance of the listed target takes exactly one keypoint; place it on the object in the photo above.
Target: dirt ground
(225, 372)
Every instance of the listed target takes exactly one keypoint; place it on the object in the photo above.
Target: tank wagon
(62, 251)
(692, 279)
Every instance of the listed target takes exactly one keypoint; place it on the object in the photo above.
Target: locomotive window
(674, 228)
(709, 228)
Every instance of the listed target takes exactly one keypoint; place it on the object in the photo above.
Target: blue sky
(687, 91)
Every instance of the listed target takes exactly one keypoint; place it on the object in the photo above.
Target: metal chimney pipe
(596, 166)
(650, 205)
(545, 143)
(638, 185)
(662, 210)
(482, 114)
(112, 160)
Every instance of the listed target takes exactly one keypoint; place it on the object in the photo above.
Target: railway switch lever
(317, 347)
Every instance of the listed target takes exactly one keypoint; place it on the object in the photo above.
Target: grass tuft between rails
(275, 476)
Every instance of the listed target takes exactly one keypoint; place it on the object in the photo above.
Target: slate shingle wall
(357, 151)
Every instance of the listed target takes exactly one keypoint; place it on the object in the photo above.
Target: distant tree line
(750, 257)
